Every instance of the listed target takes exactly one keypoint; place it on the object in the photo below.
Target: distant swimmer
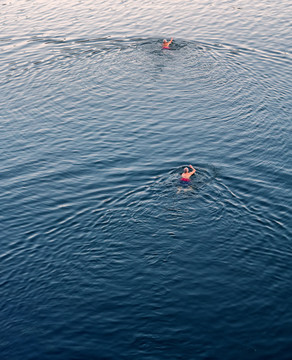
(185, 176)
(165, 44)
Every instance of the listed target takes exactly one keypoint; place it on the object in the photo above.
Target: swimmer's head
(164, 41)
(186, 170)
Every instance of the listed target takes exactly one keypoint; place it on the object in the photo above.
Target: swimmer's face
(164, 41)
(186, 170)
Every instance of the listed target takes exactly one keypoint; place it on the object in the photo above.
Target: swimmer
(185, 176)
(185, 180)
(165, 44)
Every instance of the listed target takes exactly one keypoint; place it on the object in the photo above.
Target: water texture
(104, 255)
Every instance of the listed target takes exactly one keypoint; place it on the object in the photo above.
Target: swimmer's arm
(194, 170)
(171, 40)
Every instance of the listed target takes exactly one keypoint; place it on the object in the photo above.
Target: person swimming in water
(165, 44)
(185, 176)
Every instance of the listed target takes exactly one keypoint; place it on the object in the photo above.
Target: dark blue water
(103, 254)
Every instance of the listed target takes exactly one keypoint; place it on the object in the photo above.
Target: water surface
(103, 255)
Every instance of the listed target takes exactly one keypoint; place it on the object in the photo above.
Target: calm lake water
(103, 254)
